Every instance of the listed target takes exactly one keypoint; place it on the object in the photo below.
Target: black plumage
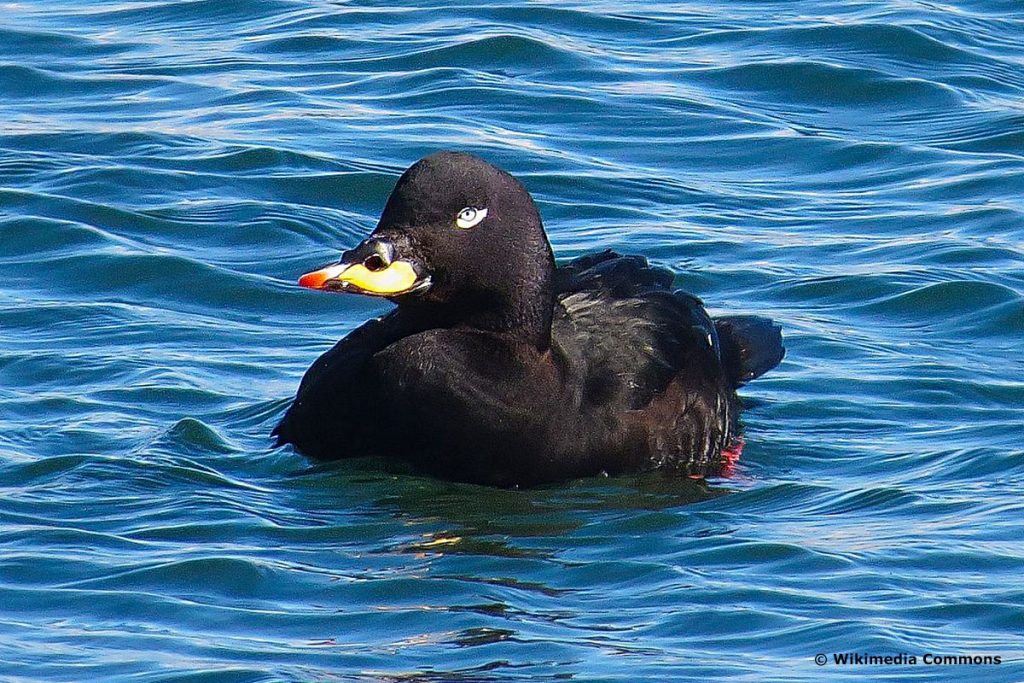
(499, 368)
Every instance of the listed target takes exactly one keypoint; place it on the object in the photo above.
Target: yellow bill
(397, 277)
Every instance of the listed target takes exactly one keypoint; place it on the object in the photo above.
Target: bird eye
(470, 217)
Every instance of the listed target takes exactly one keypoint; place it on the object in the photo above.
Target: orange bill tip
(316, 279)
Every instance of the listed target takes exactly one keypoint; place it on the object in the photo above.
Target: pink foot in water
(731, 456)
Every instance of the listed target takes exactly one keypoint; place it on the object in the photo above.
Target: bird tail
(750, 346)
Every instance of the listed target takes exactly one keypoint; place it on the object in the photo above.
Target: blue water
(168, 169)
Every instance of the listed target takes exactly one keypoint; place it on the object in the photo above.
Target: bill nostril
(374, 262)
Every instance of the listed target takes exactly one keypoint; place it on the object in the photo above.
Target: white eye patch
(470, 217)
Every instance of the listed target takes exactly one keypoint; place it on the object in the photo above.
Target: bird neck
(523, 305)
(521, 308)
(524, 313)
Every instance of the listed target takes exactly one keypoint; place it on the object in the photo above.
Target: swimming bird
(497, 367)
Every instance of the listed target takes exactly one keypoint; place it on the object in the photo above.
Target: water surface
(168, 169)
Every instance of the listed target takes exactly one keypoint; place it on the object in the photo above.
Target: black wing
(619, 319)
(649, 359)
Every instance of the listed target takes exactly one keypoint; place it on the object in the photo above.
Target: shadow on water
(485, 520)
